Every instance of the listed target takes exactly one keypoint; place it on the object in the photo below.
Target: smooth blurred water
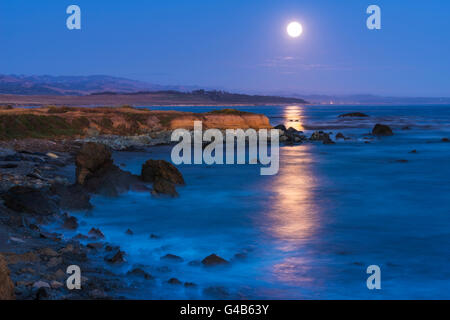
(310, 231)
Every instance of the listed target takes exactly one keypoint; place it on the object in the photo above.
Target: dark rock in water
(190, 285)
(340, 136)
(138, 272)
(97, 173)
(91, 157)
(172, 257)
(154, 236)
(72, 197)
(445, 140)
(110, 181)
(401, 161)
(174, 281)
(115, 257)
(30, 200)
(96, 233)
(413, 151)
(6, 285)
(95, 245)
(353, 115)
(214, 260)
(161, 186)
(70, 223)
(321, 136)
(153, 170)
(382, 130)
(281, 127)
(129, 232)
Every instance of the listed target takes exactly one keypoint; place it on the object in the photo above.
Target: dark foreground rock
(6, 285)
(163, 187)
(29, 200)
(214, 260)
(90, 158)
(97, 173)
(160, 169)
(382, 130)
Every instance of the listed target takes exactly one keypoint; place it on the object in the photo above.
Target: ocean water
(309, 232)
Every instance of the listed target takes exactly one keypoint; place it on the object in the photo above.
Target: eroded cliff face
(78, 122)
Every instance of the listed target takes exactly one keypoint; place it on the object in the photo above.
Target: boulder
(161, 187)
(154, 169)
(70, 223)
(90, 158)
(321, 136)
(382, 130)
(214, 260)
(172, 257)
(97, 173)
(6, 285)
(340, 135)
(29, 200)
(97, 233)
(353, 115)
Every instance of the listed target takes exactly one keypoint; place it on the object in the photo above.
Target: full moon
(294, 29)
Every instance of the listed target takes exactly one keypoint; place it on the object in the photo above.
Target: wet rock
(129, 232)
(53, 262)
(153, 170)
(172, 257)
(29, 200)
(382, 130)
(353, 115)
(138, 272)
(97, 173)
(6, 285)
(115, 257)
(27, 257)
(154, 236)
(73, 197)
(70, 223)
(281, 127)
(401, 161)
(174, 281)
(49, 252)
(339, 135)
(413, 151)
(321, 136)
(90, 158)
(214, 260)
(96, 233)
(95, 245)
(42, 293)
(445, 140)
(163, 187)
(190, 285)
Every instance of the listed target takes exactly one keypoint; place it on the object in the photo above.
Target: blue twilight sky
(237, 44)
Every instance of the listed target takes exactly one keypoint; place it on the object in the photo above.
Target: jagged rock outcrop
(164, 176)
(97, 173)
(30, 200)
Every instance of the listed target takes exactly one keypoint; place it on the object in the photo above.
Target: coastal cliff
(81, 122)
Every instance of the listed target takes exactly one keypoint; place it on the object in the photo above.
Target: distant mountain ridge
(76, 85)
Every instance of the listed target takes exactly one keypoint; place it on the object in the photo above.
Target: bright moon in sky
(294, 29)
